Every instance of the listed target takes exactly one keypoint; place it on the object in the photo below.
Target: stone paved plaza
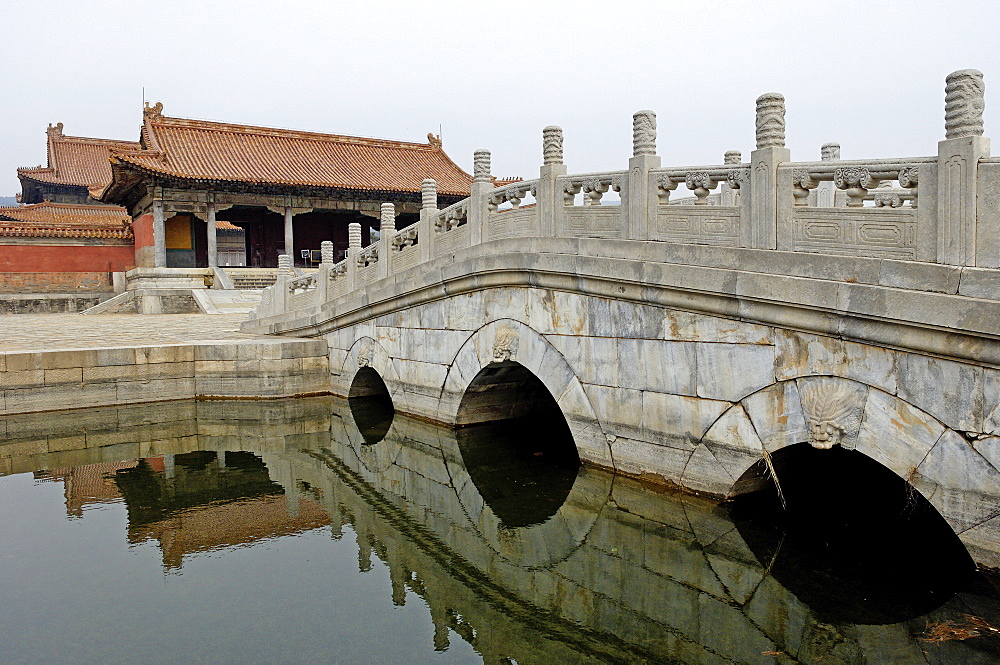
(47, 332)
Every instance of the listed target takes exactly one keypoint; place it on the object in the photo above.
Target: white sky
(869, 75)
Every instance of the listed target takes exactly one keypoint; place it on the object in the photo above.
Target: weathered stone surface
(734, 442)
(991, 401)
(649, 460)
(677, 420)
(687, 326)
(733, 371)
(776, 414)
(959, 482)
(896, 434)
(951, 392)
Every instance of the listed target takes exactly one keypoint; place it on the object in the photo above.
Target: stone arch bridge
(850, 303)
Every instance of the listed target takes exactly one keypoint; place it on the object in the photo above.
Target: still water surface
(296, 531)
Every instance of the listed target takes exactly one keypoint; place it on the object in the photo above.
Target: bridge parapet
(859, 208)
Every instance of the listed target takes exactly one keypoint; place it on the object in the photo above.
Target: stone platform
(55, 362)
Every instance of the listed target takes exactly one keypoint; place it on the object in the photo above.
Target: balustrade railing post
(353, 249)
(482, 186)
(425, 230)
(826, 195)
(728, 196)
(325, 270)
(640, 200)
(548, 199)
(766, 205)
(387, 231)
(961, 241)
(279, 300)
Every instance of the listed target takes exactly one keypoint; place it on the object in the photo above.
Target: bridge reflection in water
(529, 558)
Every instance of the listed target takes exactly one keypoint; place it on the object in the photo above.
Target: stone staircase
(245, 279)
(235, 301)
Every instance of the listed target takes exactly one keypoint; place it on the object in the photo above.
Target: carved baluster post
(766, 205)
(387, 231)
(325, 266)
(479, 201)
(730, 196)
(279, 297)
(353, 248)
(425, 230)
(826, 195)
(640, 200)
(548, 198)
(960, 240)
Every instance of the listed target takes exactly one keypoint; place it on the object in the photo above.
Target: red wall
(142, 229)
(66, 258)
(56, 282)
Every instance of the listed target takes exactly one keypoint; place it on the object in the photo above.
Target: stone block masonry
(36, 381)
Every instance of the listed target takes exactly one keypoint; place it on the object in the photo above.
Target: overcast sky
(492, 74)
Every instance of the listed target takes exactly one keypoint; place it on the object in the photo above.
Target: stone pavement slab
(46, 332)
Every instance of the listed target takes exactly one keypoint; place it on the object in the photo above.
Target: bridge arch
(367, 353)
(509, 339)
(958, 477)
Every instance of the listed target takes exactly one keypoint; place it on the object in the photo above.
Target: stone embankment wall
(71, 379)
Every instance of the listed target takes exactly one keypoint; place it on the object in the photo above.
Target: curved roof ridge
(217, 126)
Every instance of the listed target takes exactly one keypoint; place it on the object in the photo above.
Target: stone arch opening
(849, 537)
(516, 444)
(371, 405)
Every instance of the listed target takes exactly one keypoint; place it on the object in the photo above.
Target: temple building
(75, 164)
(286, 190)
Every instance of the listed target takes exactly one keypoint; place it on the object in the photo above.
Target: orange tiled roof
(65, 220)
(74, 160)
(203, 150)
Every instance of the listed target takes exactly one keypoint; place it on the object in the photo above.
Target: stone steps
(234, 301)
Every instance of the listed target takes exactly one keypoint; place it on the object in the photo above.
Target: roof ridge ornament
(434, 141)
(54, 130)
(154, 112)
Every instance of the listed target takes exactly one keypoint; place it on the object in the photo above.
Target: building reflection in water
(592, 568)
(192, 502)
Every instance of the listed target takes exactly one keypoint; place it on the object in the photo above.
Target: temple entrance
(186, 240)
(264, 234)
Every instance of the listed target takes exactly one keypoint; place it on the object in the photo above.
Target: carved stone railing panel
(593, 186)
(593, 222)
(455, 239)
(513, 193)
(301, 300)
(698, 225)
(337, 289)
(516, 223)
(306, 283)
(407, 257)
(408, 237)
(871, 232)
(451, 217)
(699, 179)
(367, 256)
(366, 275)
(857, 177)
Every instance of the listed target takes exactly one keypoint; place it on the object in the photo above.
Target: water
(322, 531)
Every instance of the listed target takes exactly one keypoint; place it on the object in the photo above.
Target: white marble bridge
(834, 302)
